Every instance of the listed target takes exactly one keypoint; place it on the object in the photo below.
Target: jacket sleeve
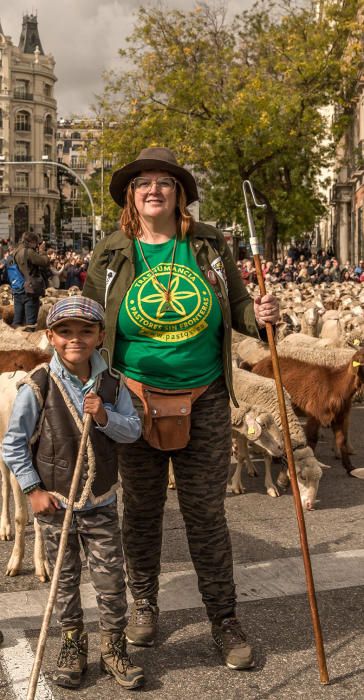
(95, 285)
(241, 305)
(36, 259)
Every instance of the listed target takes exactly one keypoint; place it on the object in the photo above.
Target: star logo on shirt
(174, 301)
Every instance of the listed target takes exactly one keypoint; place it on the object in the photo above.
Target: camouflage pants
(201, 472)
(99, 533)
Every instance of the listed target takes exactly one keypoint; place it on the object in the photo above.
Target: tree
(238, 100)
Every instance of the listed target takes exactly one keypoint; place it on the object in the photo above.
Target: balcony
(79, 164)
(23, 127)
(22, 158)
(21, 95)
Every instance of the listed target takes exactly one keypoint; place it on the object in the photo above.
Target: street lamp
(79, 179)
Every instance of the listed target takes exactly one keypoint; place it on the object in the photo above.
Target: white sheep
(308, 468)
(8, 390)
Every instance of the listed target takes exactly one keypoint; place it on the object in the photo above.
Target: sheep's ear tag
(251, 430)
(356, 341)
(356, 364)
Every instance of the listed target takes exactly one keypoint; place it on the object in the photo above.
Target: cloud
(84, 38)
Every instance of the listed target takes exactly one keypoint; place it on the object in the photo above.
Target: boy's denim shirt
(123, 423)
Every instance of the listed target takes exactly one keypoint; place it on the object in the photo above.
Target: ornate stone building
(343, 228)
(28, 116)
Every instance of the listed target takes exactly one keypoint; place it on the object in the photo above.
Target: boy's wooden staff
(59, 561)
(254, 243)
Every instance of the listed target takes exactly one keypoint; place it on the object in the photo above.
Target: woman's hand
(93, 404)
(43, 502)
(266, 309)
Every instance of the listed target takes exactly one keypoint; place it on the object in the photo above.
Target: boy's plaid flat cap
(76, 308)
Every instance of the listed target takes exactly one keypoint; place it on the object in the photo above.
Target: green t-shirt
(174, 348)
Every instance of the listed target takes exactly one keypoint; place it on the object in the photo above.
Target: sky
(84, 37)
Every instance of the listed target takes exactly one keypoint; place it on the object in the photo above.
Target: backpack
(15, 277)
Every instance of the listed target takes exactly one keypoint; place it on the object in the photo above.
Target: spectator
(33, 263)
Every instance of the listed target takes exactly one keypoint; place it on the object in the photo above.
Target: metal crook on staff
(254, 243)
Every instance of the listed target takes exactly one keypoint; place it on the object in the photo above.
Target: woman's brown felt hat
(152, 159)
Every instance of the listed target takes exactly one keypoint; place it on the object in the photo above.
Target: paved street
(272, 603)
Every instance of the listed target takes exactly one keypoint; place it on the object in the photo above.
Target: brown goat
(324, 394)
(25, 360)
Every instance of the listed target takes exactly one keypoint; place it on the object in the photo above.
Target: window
(22, 121)
(74, 193)
(48, 150)
(47, 90)
(1, 146)
(46, 181)
(48, 129)
(22, 151)
(78, 162)
(1, 118)
(21, 90)
(21, 181)
(1, 180)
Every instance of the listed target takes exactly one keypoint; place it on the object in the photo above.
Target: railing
(23, 127)
(22, 159)
(21, 95)
(79, 164)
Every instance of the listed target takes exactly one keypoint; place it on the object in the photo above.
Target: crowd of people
(323, 267)
(65, 269)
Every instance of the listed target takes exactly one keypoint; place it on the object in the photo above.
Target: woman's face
(157, 202)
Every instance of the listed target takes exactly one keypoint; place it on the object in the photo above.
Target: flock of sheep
(320, 336)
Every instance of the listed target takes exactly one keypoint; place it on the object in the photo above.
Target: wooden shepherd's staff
(59, 561)
(254, 243)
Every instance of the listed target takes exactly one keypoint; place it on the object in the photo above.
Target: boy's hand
(93, 404)
(43, 502)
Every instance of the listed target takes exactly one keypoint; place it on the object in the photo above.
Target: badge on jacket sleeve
(218, 266)
(110, 274)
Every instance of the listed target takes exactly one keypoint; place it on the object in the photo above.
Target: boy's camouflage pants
(201, 472)
(99, 533)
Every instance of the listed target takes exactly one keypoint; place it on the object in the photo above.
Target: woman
(173, 293)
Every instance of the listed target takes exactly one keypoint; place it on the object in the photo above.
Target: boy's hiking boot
(142, 626)
(116, 662)
(231, 641)
(72, 659)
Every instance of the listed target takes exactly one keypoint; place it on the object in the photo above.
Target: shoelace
(233, 633)
(69, 653)
(143, 614)
(118, 650)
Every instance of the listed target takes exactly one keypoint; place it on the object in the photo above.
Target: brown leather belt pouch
(167, 414)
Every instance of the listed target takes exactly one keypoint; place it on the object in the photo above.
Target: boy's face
(75, 341)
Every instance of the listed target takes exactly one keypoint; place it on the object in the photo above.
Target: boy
(41, 448)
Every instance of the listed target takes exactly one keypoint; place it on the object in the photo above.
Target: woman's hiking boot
(72, 659)
(231, 641)
(116, 662)
(142, 626)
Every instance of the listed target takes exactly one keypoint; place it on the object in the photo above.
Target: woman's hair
(130, 222)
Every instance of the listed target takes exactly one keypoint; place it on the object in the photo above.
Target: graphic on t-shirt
(185, 314)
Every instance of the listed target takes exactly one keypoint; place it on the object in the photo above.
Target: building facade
(77, 141)
(29, 195)
(342, 229)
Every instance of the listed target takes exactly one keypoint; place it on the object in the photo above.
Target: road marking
(18, 658)
(178, 589)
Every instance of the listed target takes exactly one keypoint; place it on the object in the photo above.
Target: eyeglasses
(144, 184)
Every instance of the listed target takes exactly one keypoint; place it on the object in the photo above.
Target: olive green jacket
(111, 272)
